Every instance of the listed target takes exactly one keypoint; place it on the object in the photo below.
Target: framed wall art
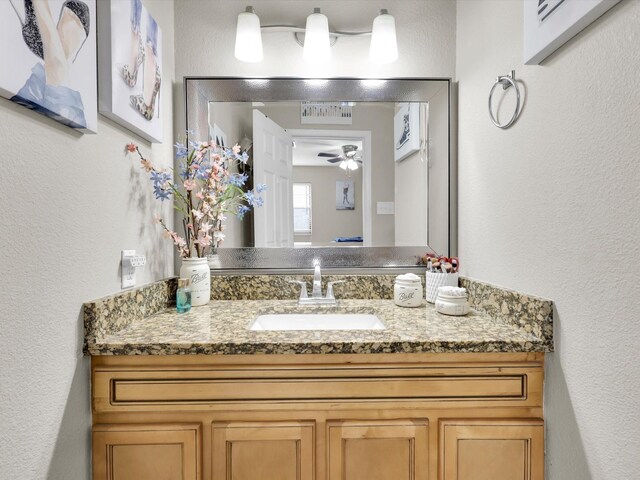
(130, 68)
(345, 195)
(48, 52)
(406, 130)
(549, 24)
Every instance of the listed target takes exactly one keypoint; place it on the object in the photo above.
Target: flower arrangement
(207, 189)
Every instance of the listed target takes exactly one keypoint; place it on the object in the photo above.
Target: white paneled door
(273, 166)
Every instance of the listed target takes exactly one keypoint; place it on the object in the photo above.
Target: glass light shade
(352, 164)
(316, 38)
(384, 45)
(248, 37)
(343, 165)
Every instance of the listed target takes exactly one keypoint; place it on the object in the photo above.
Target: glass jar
(197, 270)
(451, 304)
(407, 290)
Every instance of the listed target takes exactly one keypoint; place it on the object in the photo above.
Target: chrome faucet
(316, 297)
(316, 292)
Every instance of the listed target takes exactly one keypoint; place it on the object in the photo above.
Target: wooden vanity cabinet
(146, 452)
(318, 417)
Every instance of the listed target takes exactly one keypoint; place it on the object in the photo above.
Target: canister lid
(408, 279)
(183, 282)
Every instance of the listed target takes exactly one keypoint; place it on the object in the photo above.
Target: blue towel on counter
(348, 239)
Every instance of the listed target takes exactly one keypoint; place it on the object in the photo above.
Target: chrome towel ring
(506, 81)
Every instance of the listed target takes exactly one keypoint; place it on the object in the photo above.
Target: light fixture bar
(384, 47)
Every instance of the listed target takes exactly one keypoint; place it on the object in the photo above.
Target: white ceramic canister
(452, 301)
(197, 270)
(407, 290)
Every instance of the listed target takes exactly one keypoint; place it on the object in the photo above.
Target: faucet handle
(303, 287)
(330, 288)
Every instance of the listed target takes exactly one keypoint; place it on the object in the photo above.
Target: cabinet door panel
(263, 451)
(378, 450)
(492, 450)
(146, 452)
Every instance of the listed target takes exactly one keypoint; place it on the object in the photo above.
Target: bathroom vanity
(199, 396)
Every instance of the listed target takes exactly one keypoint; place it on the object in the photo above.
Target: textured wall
(70, 203)
(550, 207)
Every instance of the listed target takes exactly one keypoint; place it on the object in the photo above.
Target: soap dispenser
(183, 295)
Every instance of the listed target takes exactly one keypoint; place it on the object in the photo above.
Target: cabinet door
(492, 449)
(378, 450)
(146, 452)
(263, 451)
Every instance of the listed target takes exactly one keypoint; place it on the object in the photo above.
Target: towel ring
(506, 81)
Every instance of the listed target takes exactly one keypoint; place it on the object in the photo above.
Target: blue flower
(183, 171)
(253, 200)
(242, 210)
(201, 173)
(244, 158)
(238, 179)
(261, 187)
(160, 193)
(160, 178)
(181, 150)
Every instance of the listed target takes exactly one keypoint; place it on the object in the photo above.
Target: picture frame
(406, 130)
(126, 30)
(64, 86)
(549, 24)
(345, 195)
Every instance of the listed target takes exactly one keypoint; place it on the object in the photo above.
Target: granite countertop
(221, 327)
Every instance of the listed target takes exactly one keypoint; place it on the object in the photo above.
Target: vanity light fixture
(317, 44)
(248, 37)
(316, 37)
(384, 45)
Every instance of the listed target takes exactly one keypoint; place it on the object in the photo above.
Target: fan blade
(334, 160)
(327, 154)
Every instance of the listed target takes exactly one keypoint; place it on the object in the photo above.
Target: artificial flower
(208, 187)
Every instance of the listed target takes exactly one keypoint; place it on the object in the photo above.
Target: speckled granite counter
(221, 328)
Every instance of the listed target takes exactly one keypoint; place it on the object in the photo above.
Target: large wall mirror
(360, 173)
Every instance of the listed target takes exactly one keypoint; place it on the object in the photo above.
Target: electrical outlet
(129, 262)
(385, 208)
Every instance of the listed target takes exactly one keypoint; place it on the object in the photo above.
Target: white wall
(69, 204)
(550, 207)
(327, 222)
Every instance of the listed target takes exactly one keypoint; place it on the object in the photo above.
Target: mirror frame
(339, 259)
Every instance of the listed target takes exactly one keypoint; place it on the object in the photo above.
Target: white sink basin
(317, 321)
